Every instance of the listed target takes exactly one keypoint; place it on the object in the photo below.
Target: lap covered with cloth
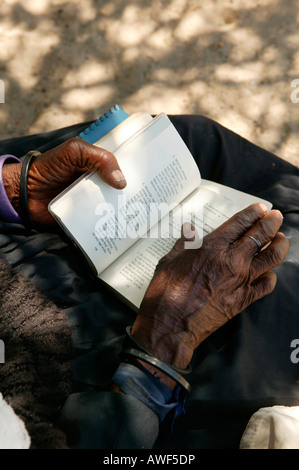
(244, 366)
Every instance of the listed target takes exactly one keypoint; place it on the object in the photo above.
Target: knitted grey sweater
(35, 378)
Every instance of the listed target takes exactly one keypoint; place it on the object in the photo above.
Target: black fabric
(107, 420)
(243, 366)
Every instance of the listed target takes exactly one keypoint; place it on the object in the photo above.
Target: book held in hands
(124, 233)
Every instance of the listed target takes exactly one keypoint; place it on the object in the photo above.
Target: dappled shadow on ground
(64, 62)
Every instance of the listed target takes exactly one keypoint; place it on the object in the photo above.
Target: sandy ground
(62, 62)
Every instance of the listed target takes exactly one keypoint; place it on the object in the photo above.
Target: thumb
(84, 156)
(106, 164)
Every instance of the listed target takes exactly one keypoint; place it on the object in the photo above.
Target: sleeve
(7, 212)
(13, 433)
(108, 420)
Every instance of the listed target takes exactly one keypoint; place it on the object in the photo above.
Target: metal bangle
(168, 370)
(188, 370)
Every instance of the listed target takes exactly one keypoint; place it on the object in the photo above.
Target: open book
(124, 233)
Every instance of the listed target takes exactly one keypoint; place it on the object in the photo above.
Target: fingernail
(263, 207)
(118, 177)
(278, 211)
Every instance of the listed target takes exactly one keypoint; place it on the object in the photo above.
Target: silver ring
(258, 243)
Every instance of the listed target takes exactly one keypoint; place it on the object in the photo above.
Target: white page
(131, 274)
(158, 167)
(124, 131)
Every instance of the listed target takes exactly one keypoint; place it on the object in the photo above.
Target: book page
(103, 221)
(239, 199)
(207, 209)
(124, 131)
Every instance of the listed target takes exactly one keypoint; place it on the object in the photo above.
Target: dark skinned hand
(195, 292)
(56, 169)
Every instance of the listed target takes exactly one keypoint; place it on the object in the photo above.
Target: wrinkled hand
(56, 169)
(194, 292)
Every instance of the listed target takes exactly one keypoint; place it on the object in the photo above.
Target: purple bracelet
(7, 212)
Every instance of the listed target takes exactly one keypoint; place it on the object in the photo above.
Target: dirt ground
(235, 61)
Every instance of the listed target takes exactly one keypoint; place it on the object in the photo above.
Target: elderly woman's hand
(194, 292)
(56, 169)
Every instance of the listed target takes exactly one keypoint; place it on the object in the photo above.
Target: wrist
(173, 346)
(158, 374)
(165, 348)
(11, 182)
(9, 188)
(136, 353)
